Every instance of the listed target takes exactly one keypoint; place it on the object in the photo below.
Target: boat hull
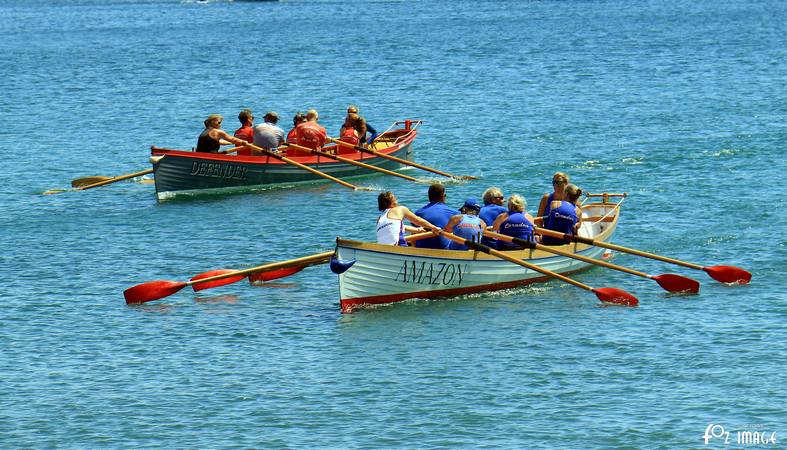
(387, 274)
(182, 172)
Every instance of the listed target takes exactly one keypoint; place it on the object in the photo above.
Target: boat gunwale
(475, 255)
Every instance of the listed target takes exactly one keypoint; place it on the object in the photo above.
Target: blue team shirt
(488, 214)
(438, 214)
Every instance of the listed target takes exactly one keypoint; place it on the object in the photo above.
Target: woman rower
(213, 137)
(515, 223)
(390, 222)
(565, 216)
(559, 182)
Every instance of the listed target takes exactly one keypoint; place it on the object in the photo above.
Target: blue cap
(471, 204)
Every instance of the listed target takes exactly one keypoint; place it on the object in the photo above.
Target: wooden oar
(607, 295)
(668, 281)
(93, 181)
(284, 271)
(154, 290)
(399, 160)
(80, 184)
(305, 167)
(724, 274)
(350, 161)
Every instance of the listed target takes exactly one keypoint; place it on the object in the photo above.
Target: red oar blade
(152, 290)
(215, 283)
(275, 274)
(728, 274)
(616, 296)
(677, 283)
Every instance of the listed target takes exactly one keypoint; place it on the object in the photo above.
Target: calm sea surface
(680, 103)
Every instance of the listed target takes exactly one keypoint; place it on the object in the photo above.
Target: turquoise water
(679, 103)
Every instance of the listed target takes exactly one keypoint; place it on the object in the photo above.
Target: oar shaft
(302, 166)
(576, 256)
(353, 162)
(393, 158)
(615, 247)
(112, 180)
(303, 261)
(528, 265)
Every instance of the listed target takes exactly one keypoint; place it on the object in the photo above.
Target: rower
(390, 222)
(438, 213)
(466, 225)
(493, 207)
(516, 222)
(559, 182)
(213, 137)
(565, 216)
(309, 134)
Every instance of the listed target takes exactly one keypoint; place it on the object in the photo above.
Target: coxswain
(213, 137)
(515, 222)
(565, 216)
(361, 126)
(466, 225)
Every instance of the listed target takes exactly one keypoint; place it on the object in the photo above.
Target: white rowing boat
(386, 274)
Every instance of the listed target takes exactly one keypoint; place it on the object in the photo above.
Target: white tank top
(388, 230)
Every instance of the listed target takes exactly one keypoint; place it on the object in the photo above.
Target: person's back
(438, 214)
(268, 135)
(564, 216)
(466, 225)
(516, 222)
(348, 133)
(310, 134)
(207, 143)
(515, 225)
(390, 222)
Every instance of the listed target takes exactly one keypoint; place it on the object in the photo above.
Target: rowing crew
(470, 220)
(306, 132)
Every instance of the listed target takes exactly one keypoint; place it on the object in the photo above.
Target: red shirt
(310, 134)
(247, 134)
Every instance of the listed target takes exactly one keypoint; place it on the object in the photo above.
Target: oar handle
(616, 247)
(112, 180)
(302, 166)
(548, 249)
(483, 248)
(350, 161)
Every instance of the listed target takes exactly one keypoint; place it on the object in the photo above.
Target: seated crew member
(213, 137)
(515, 223)
(493, 207)
(438, 213)
(559, 182)
(390, 222)
(348, 133)
(268, 135)
(298, 119)
(361, 126)
(466, 225)
(564, 216)
(245, 132)
(309, 134)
